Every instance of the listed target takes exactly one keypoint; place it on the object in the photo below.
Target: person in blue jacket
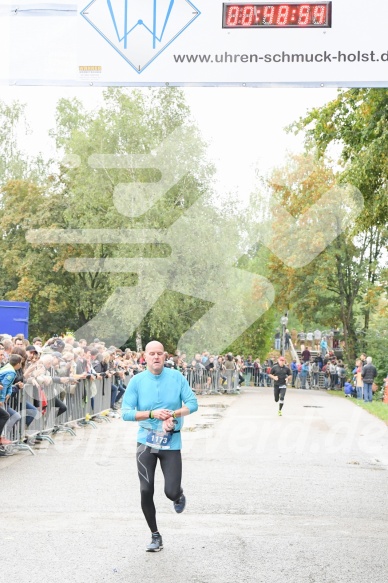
(7, 376)
(348, 389)
(158, 398)
(294, 370)
(304, 374)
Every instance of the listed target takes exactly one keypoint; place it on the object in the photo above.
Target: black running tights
(279, 392)
(171, 464)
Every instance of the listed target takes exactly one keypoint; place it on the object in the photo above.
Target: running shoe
(179, 505)
(280, 413)
(156, 544)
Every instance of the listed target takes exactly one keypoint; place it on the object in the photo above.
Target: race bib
(158, 439)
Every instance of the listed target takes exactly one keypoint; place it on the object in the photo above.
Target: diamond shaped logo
(140, 30)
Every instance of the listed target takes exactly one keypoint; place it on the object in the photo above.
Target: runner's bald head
(154, 345)
(155, 357)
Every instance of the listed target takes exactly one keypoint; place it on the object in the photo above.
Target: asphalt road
(300, 498)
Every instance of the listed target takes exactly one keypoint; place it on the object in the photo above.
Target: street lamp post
(283, 321)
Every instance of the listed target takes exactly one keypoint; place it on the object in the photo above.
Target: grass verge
(376, 408)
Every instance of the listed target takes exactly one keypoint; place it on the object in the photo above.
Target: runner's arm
(129, 410)
(272, 376)
(182, 412)
(189, 399)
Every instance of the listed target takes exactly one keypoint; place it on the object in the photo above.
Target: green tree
(68, 278)
(32, 273)
(377, 339)
(127, 123)
(356, 122)
(338, 283)
(258, 338)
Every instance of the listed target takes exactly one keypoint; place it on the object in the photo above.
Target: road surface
(295, 499)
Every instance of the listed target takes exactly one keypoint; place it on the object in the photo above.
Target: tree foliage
(34, 273)
(357, 122)
(342, 282)
(342, 285)
(377, 339)
(81, 195)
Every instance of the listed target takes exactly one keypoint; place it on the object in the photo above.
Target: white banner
(194, 42)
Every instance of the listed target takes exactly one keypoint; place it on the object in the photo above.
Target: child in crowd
(348, 388)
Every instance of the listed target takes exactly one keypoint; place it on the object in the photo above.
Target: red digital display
(260, 15)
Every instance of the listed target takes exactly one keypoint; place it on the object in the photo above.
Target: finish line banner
(194, 42)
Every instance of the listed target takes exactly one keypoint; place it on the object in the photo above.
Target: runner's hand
(162, 414)
(168, 424)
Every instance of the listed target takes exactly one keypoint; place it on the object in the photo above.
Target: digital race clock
(261, 15)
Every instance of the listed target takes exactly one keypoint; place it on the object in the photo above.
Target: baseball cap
(31, 348)
(58, 344)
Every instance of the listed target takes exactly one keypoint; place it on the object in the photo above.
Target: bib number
(158, 439)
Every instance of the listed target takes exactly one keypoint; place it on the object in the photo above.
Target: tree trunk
(351, 346)
(347, 289)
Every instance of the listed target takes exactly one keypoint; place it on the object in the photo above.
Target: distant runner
(280, 373)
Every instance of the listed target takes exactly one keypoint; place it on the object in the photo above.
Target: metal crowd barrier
(261, 379)
(16, 424)
(311, 381)
(81, 403)
(321, 380)
(212, 382)
(87, 401)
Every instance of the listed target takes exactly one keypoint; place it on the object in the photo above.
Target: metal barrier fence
(214, 381)
(205, 382)
(311, 381)
(39, 412)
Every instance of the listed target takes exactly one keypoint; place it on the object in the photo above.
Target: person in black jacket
(368, 375)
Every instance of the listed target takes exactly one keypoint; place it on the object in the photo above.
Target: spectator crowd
(63, 361)
(55, 368)
(324, 369)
